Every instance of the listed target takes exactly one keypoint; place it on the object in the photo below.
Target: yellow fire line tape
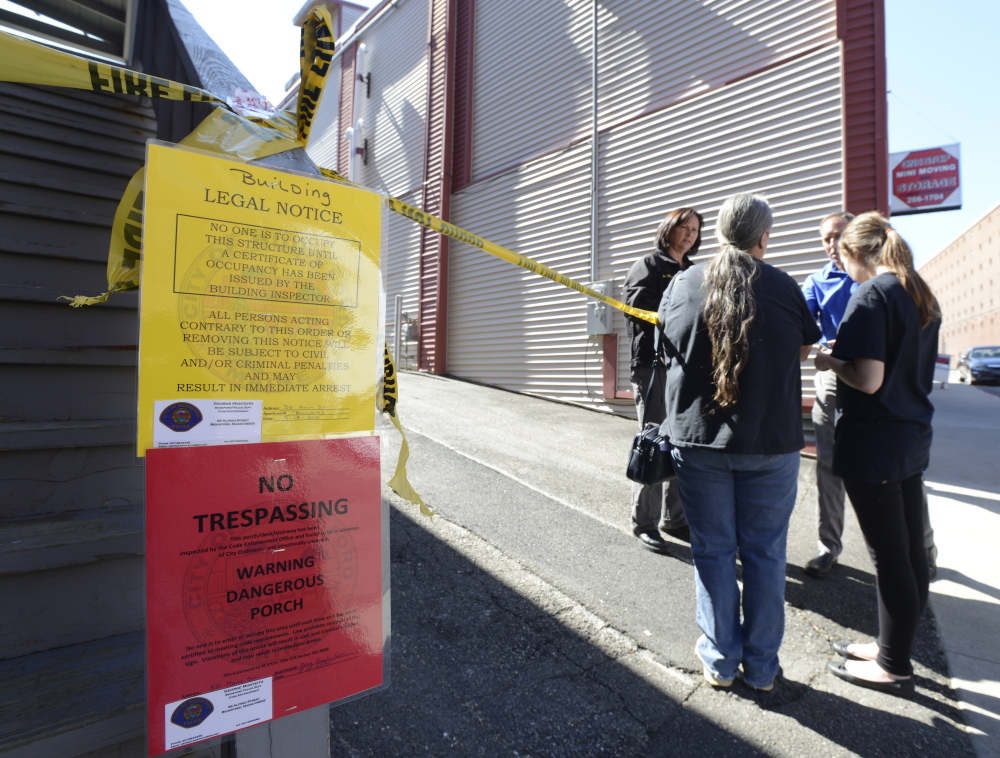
(438, 225)
(315, 54)
(400, 483)
(27, 62)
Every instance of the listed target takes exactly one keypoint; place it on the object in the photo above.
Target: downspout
(355, 133)
(609, 342)
(594, 157)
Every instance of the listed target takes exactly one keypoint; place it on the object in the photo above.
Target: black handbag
(649, 460)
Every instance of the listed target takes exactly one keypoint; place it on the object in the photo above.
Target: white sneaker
(714, 680)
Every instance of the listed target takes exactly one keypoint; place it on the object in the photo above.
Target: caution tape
(439, 225)
(228, 133)
(247, 138)
(399, 483)
(315, 55)
(223, 131)
(27, 62)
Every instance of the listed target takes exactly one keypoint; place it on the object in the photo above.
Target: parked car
(979, 364)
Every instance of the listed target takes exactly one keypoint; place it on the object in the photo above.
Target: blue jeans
(738, 504)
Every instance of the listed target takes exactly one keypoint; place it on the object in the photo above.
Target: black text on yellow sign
(259, 286)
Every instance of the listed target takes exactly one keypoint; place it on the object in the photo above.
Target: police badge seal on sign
(192, 712)
(181, 417)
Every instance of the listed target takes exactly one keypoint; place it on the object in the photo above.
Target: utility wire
(925, 118)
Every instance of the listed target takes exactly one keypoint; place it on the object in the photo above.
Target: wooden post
(305, 734)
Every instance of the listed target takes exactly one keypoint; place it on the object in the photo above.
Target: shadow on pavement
(847, 597)
(481, 669)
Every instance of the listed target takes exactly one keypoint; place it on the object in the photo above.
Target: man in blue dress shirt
(827, 292)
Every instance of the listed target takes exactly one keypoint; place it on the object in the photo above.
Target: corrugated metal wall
(345, 117)
(348, 15)
(465, 47)
(436, 199)
(696, 101)
(509, 327)
(653, 54)
(395, 113)
(395, 122)
(531, 79)
(324, 138)
(778, 132)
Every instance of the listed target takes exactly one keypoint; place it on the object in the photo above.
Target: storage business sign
(925, 180)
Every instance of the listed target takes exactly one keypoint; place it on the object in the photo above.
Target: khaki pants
(659, 505)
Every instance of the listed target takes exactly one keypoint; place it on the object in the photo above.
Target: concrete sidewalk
(528, 621)
(964, 496)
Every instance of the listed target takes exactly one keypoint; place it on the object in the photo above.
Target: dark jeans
(891, 516)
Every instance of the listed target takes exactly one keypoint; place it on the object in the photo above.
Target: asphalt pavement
(527, 621)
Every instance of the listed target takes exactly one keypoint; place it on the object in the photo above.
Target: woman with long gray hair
(735, 330)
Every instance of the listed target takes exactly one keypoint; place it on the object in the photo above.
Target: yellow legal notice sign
(259, 303)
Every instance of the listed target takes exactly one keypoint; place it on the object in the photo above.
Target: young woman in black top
(884, 360)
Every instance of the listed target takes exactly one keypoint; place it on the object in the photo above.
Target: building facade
(566, 129)
(72, 643)
(965, 277)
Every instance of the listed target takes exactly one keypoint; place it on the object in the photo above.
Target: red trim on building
(861, 26)
(610, 369)
(465, 33)
(346, 114)
(610, 364)
(433, 262)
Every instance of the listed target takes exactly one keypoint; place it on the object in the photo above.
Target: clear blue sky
(943, 61)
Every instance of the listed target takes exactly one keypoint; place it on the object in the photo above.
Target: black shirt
(886, 436)
(767, 418)
(644, 286)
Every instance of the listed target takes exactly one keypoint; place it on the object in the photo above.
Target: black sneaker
(652, 540)
(821, 565)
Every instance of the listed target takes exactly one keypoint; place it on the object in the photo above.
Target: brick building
(965, 276)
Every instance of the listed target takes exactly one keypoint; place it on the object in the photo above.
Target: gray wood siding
(71, 489)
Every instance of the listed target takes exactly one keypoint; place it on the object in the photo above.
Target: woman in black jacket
(677, 239)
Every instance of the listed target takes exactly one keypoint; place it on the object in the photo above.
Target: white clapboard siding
(323, 136)
(394, 114)
(511, 328)
(531, 79)
(394, 117)
(400, 276)
(778, 132)
(348, 15)
(654, 53)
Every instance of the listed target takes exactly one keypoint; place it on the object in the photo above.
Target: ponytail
(730, 307)
(875, 243)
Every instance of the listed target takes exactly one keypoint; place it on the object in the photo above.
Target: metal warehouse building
(566, 129)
